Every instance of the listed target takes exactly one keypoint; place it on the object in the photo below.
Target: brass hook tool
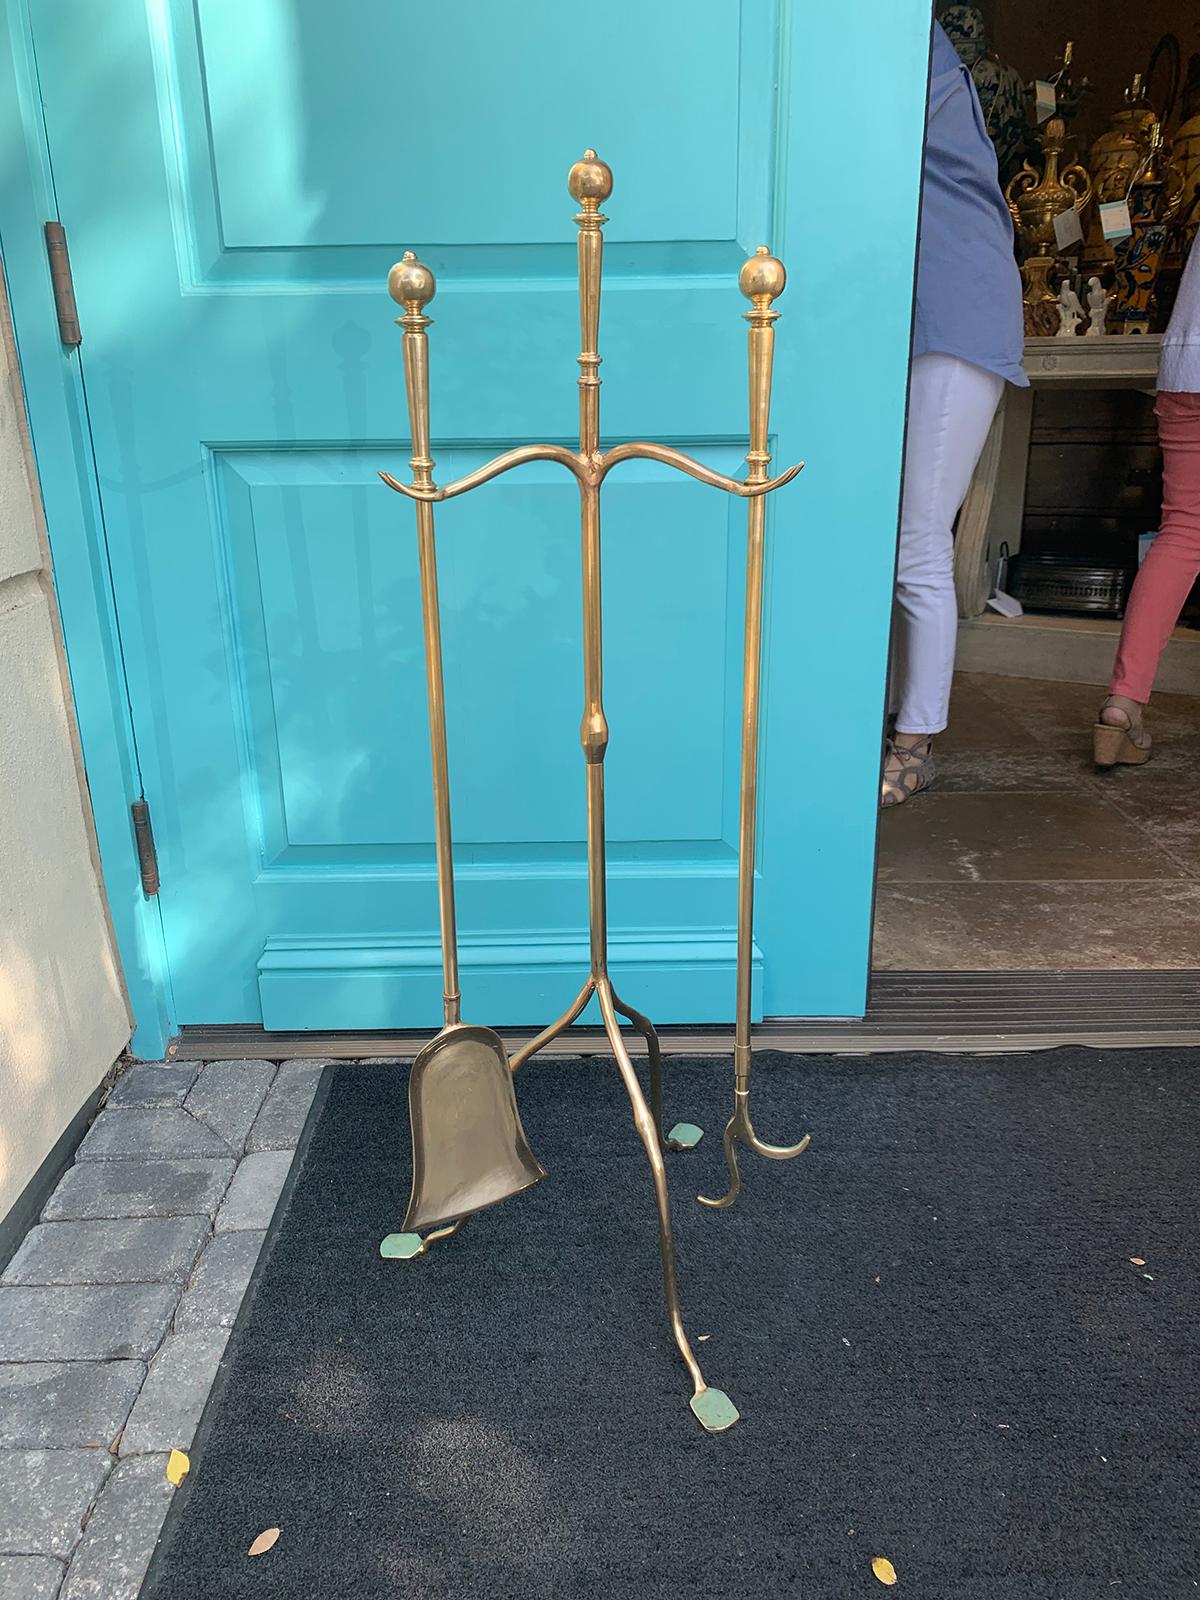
(762, 280)
(590, 183)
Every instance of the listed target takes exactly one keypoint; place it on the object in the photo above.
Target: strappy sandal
(1121, 743)
(907, 769)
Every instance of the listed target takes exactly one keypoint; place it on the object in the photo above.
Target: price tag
(1067, 228)
(1114, 219)
(1045, 99)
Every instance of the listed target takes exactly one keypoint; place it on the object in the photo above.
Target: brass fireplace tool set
(469, 1149)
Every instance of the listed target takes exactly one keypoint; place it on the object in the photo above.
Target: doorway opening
(1024, 863)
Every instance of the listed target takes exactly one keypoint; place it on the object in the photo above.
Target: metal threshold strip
(941, 1011)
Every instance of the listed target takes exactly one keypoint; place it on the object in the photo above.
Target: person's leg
(950, 409)
(1170, 569)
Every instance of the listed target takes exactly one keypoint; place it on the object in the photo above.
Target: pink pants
(1172, 563)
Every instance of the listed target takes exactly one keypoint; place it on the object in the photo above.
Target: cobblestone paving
(115, 1310)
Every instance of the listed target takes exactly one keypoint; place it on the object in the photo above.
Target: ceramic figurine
(999, 87)
(1155, 200)
(1098, 303)
(1070, 312)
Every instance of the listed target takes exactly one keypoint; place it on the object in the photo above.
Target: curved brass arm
(663, 453)
(593, 476)
(493, 469)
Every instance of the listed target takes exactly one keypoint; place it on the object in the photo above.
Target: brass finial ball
(763, 274)
(590, 179)
(411, 282)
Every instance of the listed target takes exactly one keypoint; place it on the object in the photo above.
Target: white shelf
(1110, 361)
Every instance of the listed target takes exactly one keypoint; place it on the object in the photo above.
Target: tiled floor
(1023, 857)
(115, 1310)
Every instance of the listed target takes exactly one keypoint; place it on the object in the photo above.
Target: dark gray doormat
(941, 1348)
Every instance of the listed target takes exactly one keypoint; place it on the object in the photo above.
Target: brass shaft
(416, 380)
(594, 728)
(758, 459)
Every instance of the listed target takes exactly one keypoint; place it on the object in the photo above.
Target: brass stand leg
(684, 1135)
(574, 1010)
(407, 1246)
(715, 1410)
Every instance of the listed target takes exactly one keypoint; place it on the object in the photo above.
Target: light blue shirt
(968, 283)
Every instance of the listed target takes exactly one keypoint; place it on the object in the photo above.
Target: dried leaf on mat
(178, 1467)
(264, 1542)
(883, 1570)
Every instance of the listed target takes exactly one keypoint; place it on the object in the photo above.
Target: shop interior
(1023, 856)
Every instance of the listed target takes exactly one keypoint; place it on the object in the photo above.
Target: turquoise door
(235, 181)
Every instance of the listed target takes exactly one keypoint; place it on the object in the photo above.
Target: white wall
(63, 1014)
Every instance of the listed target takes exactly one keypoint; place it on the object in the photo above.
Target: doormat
(961, 1331)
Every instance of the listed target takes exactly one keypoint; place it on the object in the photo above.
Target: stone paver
(29, 1577)
(93, 1322)
(117, 1250)
(171, 1188)
(219, 1281)
(115, 1551)
(279, 1124)
(168, 1409)
(227, 1096)
(156, 1200)
(45, 1496)
(51, 1405)
(153, 1084)
(252, 1196)
(155, 1134)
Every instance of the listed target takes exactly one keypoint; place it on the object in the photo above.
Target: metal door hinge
(147, 854)
(63, 284)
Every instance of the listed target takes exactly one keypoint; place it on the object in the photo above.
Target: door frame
(58, 424)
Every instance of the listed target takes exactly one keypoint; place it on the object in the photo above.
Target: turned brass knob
(410, 282)
(763, 276)
(590, 179)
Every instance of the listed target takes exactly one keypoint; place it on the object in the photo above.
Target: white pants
(951, 404)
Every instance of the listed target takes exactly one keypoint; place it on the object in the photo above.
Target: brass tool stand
(762, 280)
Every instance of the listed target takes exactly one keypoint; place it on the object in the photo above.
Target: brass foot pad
(715, 1410)
(402, 1246)
(684, 1136)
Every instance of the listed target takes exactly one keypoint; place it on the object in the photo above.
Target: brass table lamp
(1035, 200)
(506, 1166)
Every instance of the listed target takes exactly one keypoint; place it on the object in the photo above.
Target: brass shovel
(469, 1148)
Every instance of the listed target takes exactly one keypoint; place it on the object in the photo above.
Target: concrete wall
(63, 1014)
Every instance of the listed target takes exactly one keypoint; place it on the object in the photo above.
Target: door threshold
(952, 1012)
